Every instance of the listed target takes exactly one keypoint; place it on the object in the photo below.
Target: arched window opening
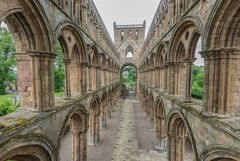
(129, 54)
(136, 34)
(122, 35)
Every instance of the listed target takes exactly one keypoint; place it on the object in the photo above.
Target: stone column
(151, 115)
(102, 78)
(90, 79)
(188, 93)
(35, 80)
(84, 77)
(221, 89)
(98, 73)
(67, 78)
(79, 146)
(165, 77)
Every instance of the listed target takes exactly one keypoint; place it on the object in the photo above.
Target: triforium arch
(180, 138)
(182, 56)
(94, 121)
(94, 68)
(151, 111)
(76, 124)
(32, 42)
(74, 54)
(220, 153)
(222, 56)
(160, 124)
(161, 64)
(28, 148)
(104, 111)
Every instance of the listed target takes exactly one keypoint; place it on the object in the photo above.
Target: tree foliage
(8, 75)
(129, 77)
(197, 84)
(59, 69)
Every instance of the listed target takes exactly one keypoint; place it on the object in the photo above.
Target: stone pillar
(67, 78)
(98, 73)
(151, 115)
(90, 79)
(221, 95)
(188, 93)
(79, 146)
(165, 77)
(84, 77)
(102, 78)
(35, 80)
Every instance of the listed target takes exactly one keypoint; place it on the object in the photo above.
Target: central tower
(129, 40)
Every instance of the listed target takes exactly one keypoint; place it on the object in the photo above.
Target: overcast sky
(126, 12)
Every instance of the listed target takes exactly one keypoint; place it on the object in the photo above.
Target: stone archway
(124, 89)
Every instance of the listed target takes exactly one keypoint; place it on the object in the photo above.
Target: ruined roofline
(131, 26)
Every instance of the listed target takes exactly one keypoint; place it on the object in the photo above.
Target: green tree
(129, 77)
(197, 85)
(59, 69)
(7, 61)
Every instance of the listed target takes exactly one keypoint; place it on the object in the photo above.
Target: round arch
(28, 147)
(220, 153)
(124, 91)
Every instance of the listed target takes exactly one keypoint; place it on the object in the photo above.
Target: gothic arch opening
(68, 63)
(180, 143)
(74, 140)
(94, 122)
(94, 78)
(129, 52)
(129, 80)
(188, 66)
(161, 75)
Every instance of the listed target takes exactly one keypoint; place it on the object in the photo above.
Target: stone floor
(134, 141)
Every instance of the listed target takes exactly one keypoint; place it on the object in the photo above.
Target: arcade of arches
(184, 35)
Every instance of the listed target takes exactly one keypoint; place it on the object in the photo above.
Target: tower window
(122, 35)
(129, 54)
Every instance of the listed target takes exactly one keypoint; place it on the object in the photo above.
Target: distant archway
(129, 79)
